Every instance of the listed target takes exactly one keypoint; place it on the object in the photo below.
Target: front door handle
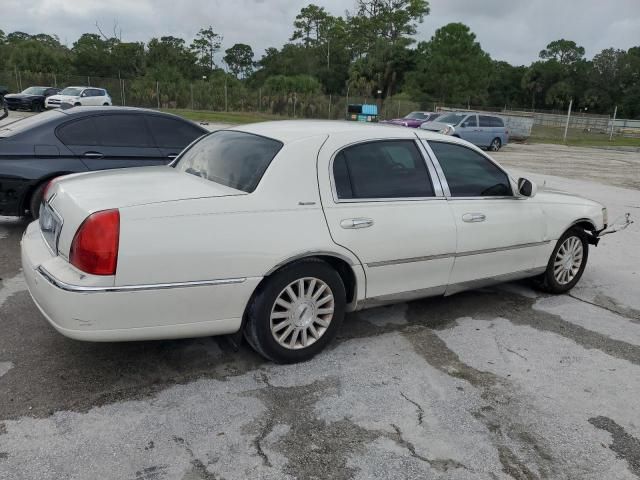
(93, 155)
(473, 217)
(356, 223)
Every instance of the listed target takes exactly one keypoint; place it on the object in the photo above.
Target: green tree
(206, 44)
(452, 67)
(564, 51)
(309, 24)
(240, 59)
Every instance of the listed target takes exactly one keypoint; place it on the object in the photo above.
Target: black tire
(105, 104)
(77, 104)
(547, 281)
(257, 330)
(36, 199)
(36, 107)
(495, 144)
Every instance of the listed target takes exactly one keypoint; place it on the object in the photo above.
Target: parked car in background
(32, 98)
(80, 96)
(41, 147)
(487, 131)
(413, 119)
(277, 229)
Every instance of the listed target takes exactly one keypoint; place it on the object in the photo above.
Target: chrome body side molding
(131, 288)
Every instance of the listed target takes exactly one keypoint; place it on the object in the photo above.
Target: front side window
(78, 132)
(452, 118)
(488, 121)
(471, 121)
(470, 174)
(381, 169)
(123, 131)
(72, 91)
(234, 159)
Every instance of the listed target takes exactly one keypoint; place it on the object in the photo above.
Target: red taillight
(95, 246)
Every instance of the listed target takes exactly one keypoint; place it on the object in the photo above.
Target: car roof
(86, 110)
(288, 131)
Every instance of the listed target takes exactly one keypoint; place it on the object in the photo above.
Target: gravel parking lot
(497, 383)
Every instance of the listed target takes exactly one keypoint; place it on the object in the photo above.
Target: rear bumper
(99, 314)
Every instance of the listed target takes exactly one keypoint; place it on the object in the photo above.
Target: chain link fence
(228, 95)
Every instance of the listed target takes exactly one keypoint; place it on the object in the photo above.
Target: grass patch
(223, 117)
(579, 138)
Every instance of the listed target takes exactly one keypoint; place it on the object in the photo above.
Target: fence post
(191, 85)
(613, 123)
(124, 94)
(259, 99)
(566, 126)
(88, 81)
(55, 80)
(295, 98)
(158, 93)
(226, 104)
(329, 116)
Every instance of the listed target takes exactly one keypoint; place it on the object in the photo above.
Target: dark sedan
(80, 139)
(30, 99)
(413, 119)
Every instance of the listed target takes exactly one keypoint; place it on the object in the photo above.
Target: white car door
(500, 235)
(383, 201)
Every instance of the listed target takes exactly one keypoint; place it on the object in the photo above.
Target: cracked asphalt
(498, 383)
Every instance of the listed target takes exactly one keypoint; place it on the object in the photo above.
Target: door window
(470, 174)
(172, 133)
(123, 131)
(383, 169)
(488, 121)
(471, 121)
(78, 132)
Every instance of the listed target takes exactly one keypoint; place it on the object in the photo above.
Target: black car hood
(22, 96)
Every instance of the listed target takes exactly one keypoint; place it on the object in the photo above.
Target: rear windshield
(19, 126)
(234, 159)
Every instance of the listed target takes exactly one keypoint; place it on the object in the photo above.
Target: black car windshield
(417, 116)
(19, 126)
(234, 159)
(452, 118)
(71, 91)
(35, 91)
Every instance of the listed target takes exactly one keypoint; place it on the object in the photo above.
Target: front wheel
(495, 145)
(567, 263)
(297, 312)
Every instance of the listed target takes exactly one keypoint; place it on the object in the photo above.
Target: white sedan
(277, 229)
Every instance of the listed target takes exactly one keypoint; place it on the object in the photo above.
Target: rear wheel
(105, 104)
(297, 312)
(36, 107)
(567, 263)
(495, 145)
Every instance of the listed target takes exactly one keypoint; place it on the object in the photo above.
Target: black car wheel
(296, 312)
(36, 107)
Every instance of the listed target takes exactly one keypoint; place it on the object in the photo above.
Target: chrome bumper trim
(131, 288)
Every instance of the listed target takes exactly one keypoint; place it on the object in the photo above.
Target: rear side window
(488, 121)
(234, 159)
(383, 169)
(78, 132)
(172, 133)
(468, 173)
(123, 131)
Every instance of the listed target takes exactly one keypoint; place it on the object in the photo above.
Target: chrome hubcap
(495, 145)
(568, 260)
(302, 313)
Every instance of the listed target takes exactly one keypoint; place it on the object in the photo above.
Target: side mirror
(526, 188)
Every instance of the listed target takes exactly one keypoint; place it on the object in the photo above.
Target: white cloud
(509, 30)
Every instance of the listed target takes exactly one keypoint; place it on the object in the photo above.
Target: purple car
(414, 119)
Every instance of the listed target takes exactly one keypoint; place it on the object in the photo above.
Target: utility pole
(566, 127)
(613, 123)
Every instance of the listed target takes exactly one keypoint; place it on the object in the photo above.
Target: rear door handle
(356, 223)
(93, 155)
(473, 217)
